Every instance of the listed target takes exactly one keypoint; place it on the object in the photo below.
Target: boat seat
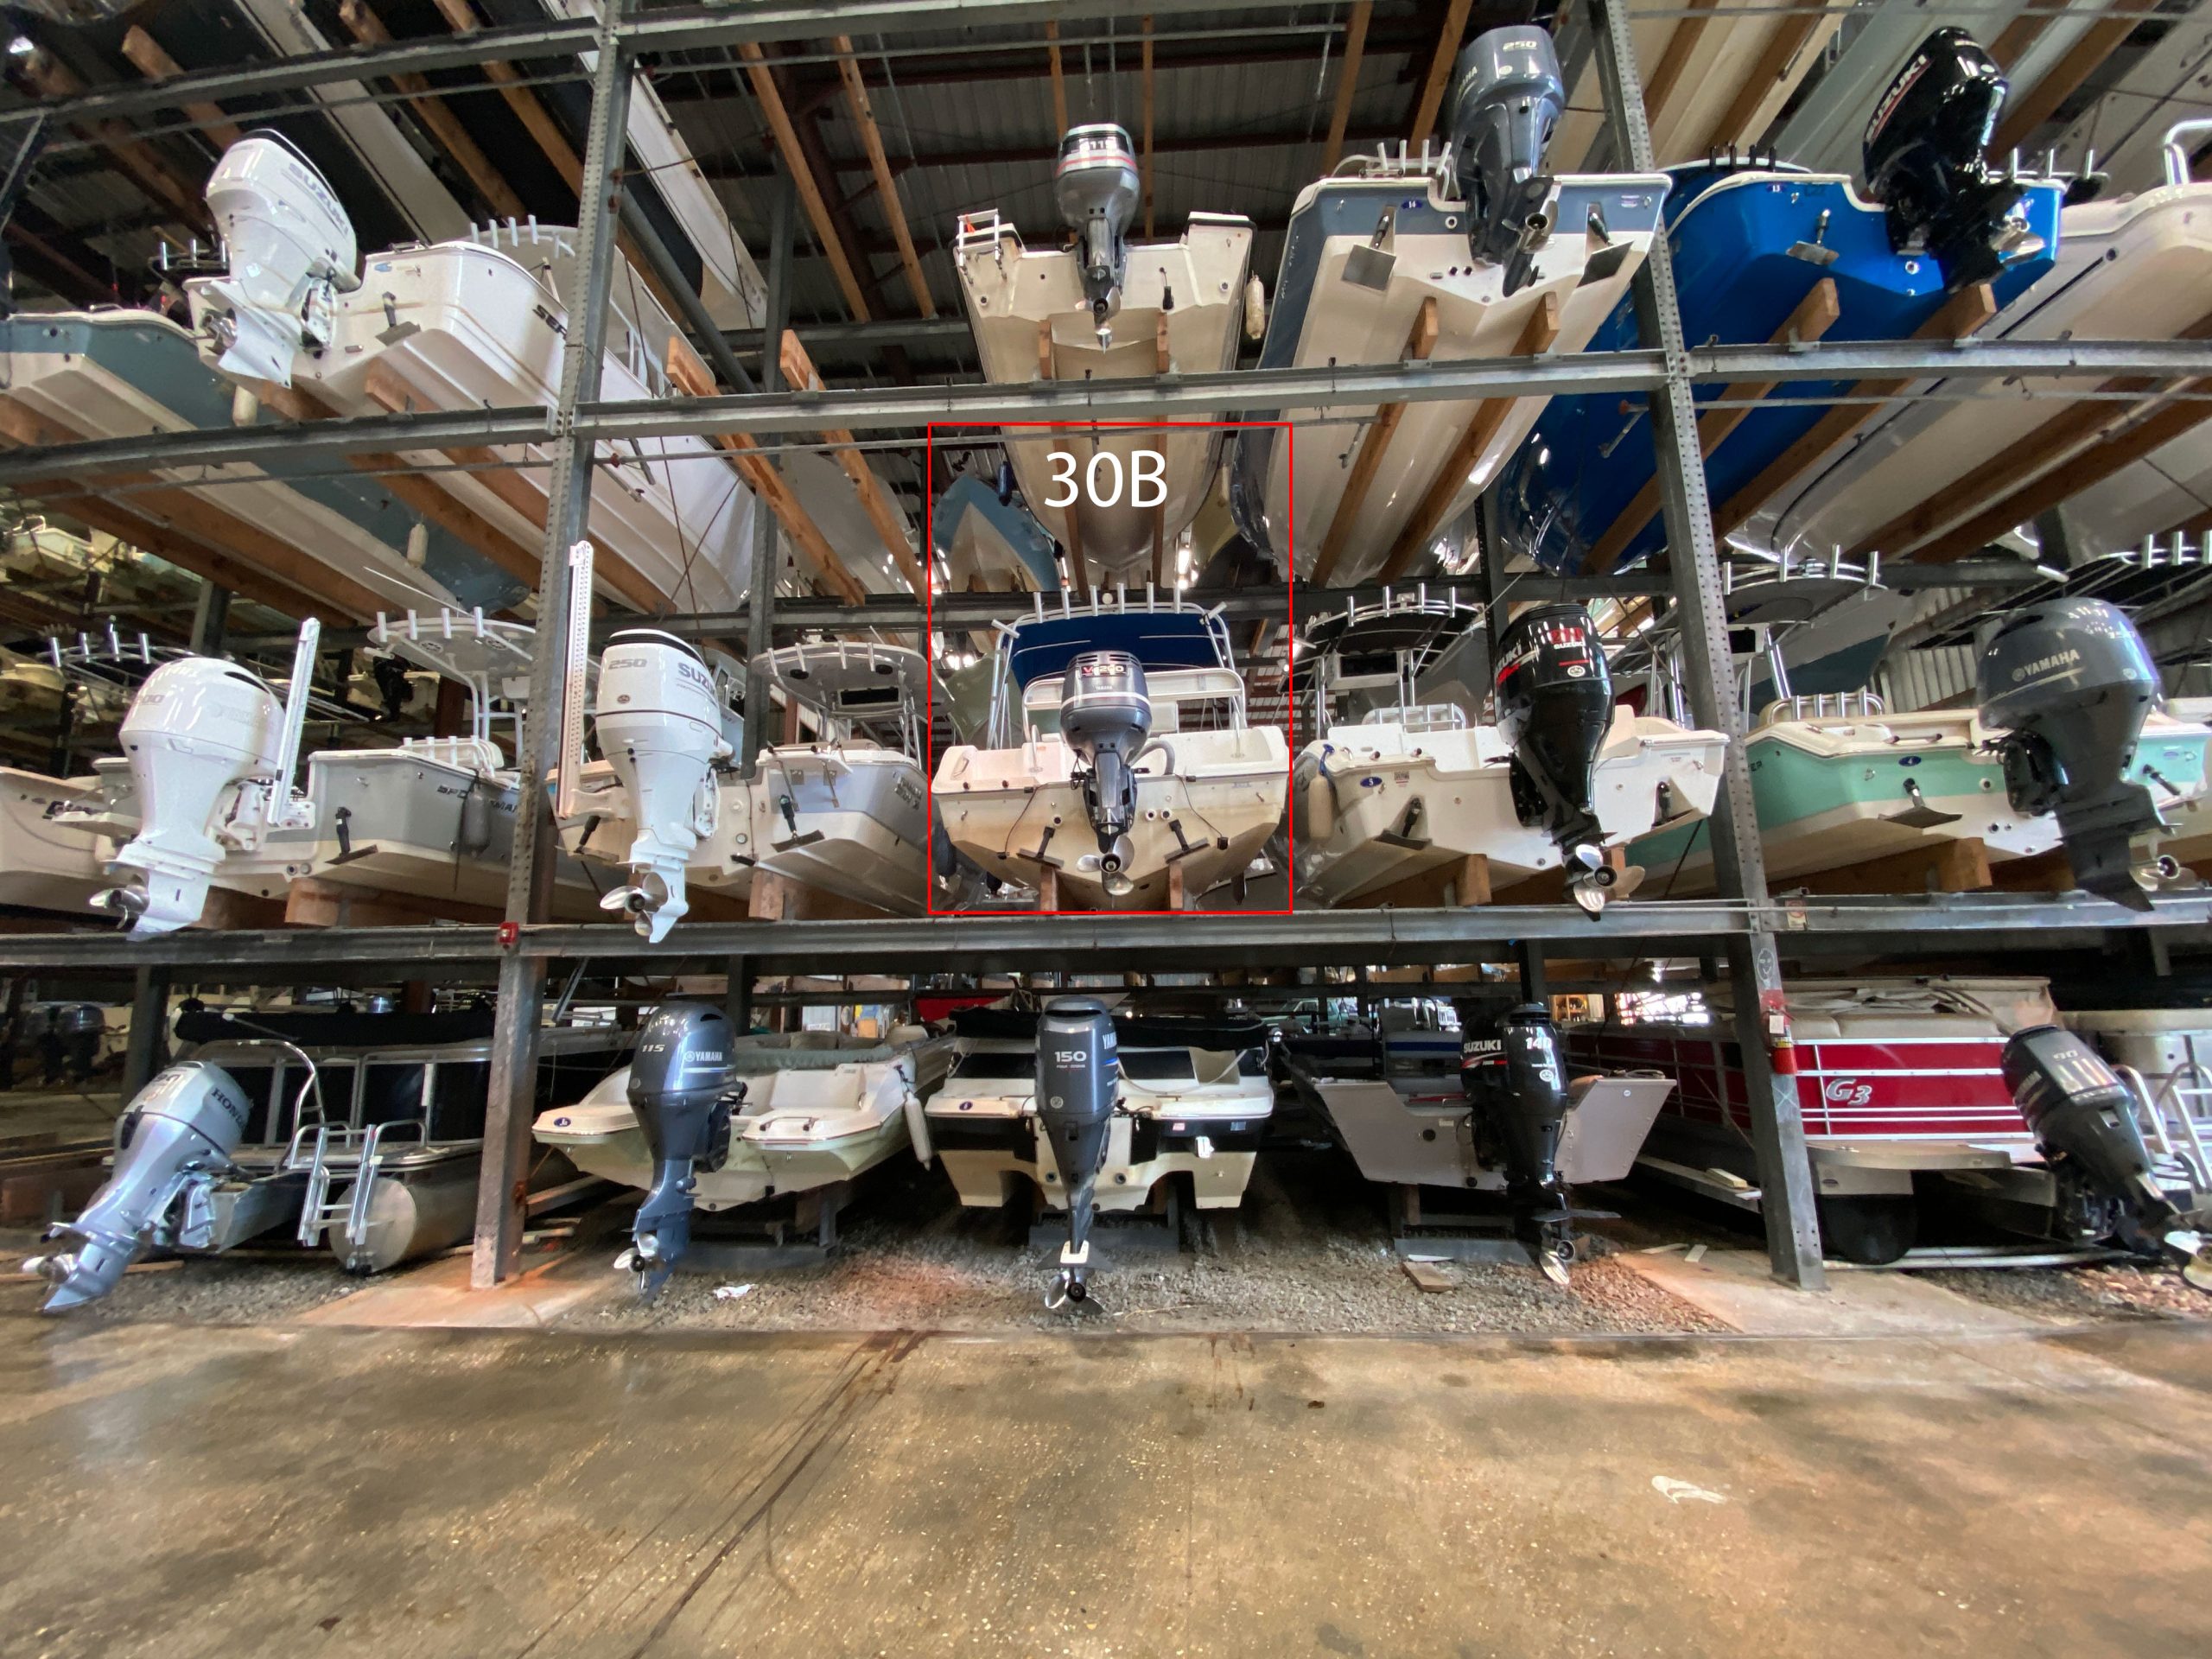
(820, 1092)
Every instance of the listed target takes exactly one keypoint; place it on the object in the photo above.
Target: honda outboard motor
(1098, 187)
(181, 1127)
(660, 727)
(1516, 1083)
(2069, 681)
(1555, 706)
(681, 1090)
(290, 247)
(1106, 717)
(1923, 154)
(1508, 97)
(1078, 1071)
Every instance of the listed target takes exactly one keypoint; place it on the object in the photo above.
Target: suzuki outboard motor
(681, 1090)
(1923, 154)
(1078, 1071)
(660, 727)
(1098, 187)
(1555, 706)
(1508, 97)
(2069, 681)
(181, 1127)
(1516, 1083)
(290, 247)
(1106, 717)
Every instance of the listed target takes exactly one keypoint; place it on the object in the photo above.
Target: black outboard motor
(1098, 187)
(2083, 1120)
(1555, 706)
(1924, 153)
(1516, 1083)
(2069, 681)
(1507, 98)
(1078, 1074)
(1106, 716)
(681, 1090)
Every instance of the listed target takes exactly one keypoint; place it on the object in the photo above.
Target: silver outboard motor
(1923, 155)
(682, 1092)
(2069, 681)
(1507, 98)
(1106, 717)
(183, 1126)
(1555, 706)
(1516, 1083)
(1078, 1071)
(1098, 187)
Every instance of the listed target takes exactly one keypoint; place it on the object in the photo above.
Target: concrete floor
(285, 1489)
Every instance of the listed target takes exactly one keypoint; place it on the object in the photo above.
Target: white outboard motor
(1508, 96)
(181, 1129)
(212, 754)
(682, 1092)
(1098, 187)
(1106, 717)
(660, 727)
(290, 249)
(1078, 1077)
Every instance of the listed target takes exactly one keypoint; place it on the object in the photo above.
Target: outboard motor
(682, 1092)
(1078, 1072)
(660, 727)
(2084, 1122)
(180, 1129)
(290, 249)
(1516, 1083)
(1923, 155)
(2069, 681)
(1098, 187)
(1555, 706)
(1106, 717)
(1508, 97)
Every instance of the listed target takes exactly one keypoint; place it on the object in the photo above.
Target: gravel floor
(197, 1290)
(2121, 1291)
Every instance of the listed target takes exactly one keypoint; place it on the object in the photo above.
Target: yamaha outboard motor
(681, 1090)
(1555, 706)
(1078, 1071)
(1508, 97)
(1106, 716)
(1923, 154)
(1516, 1083)
(181, 1127)
(1098, 187)
(2069, 681)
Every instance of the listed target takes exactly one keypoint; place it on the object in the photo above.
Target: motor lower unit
(1555, 707)
(1078, 1075)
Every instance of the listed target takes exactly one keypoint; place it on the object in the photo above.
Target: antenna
(577, 660)
(296, 702)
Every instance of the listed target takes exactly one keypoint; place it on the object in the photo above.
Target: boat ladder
(339, 1150)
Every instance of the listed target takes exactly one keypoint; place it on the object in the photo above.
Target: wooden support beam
(800, 374)
(1963, 314)
(810, 192)
(362, 21)
(1682, 46)
(242, 581)
(147, 57)
(1347, 83)
(2017, 37)
(1059, 79)
(879, 165)
(1145, 100)
(1788, 40)
(155, 179)
(1536, 337)
(2083, 59)
(1374, 444)
(1814, 316)
(1440, 72)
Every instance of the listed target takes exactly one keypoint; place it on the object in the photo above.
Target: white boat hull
(44, 866)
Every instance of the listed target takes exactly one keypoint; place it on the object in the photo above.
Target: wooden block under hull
(1948, 866)
(1459, 881)
(778, 898)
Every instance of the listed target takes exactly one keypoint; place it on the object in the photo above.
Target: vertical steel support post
(760, 606)
(211, 616)
(1497, 583)
(146, 1040)
(1739, 865)
(737, 999)
(499, 1194)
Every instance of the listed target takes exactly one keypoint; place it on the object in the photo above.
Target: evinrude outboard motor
(1516, 1083)
(682, 1092)
(2069, 681)
(1508, 96)
(1923, 154)
(660, 727)
(1555, 706)
(2084, 1121)
(1106, 717)
(1097, 185)
(1078, 1074)
(183, 1126)
(290, 247)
